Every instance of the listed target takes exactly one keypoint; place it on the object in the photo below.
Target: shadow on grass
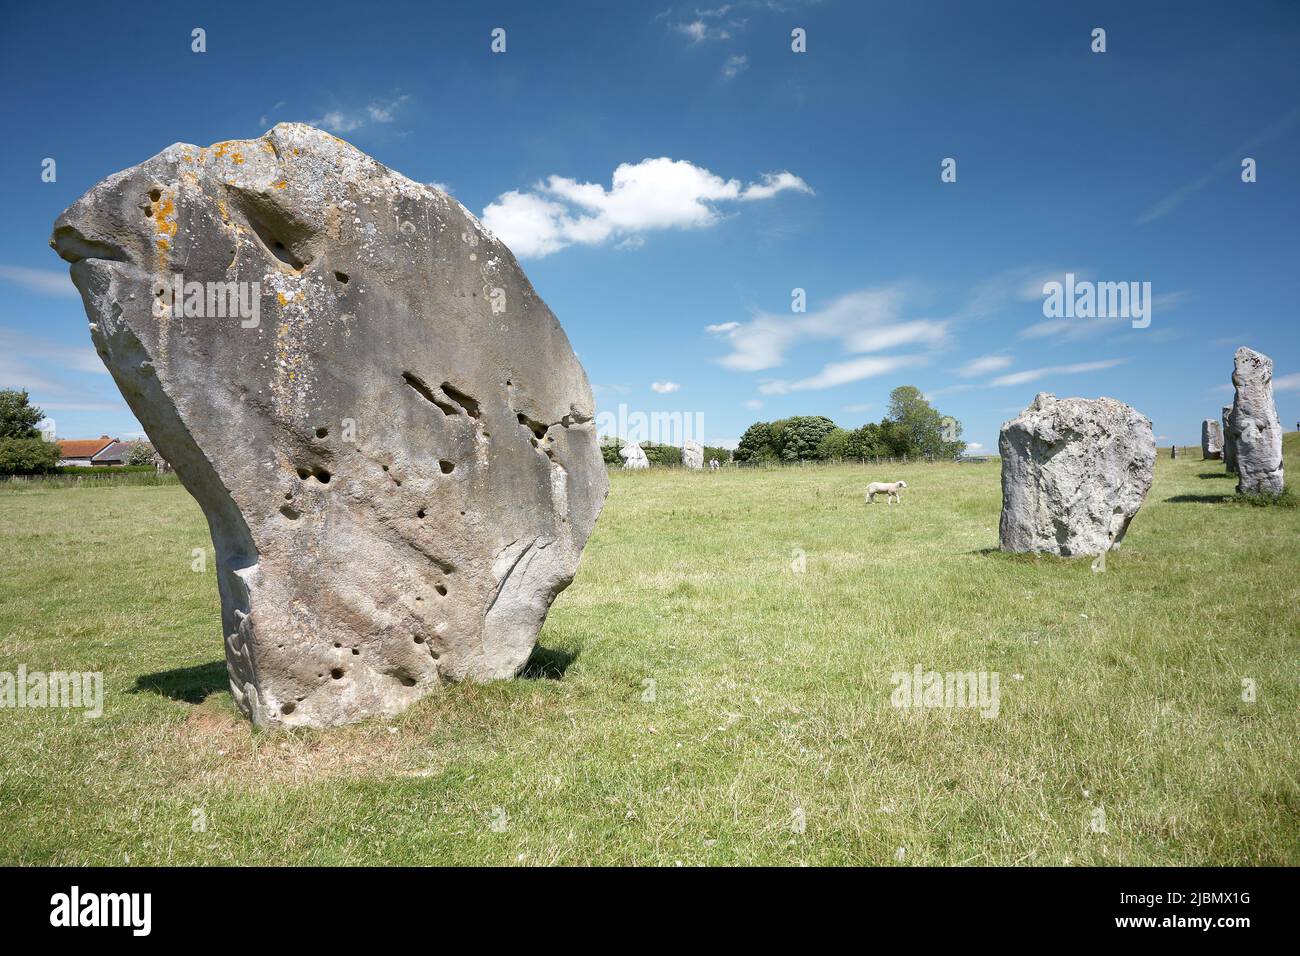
(193, 685)
(1216, 474)
(547, 664)
(1198, 499)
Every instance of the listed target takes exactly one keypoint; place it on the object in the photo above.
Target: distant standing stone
(1075, 471)
(1211, 439)
(1173, 451)
(1229, 446)
(1254, 425)
(693, 455)
(713, 464)
(634, 458)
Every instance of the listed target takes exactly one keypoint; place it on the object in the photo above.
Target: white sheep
(890, 488)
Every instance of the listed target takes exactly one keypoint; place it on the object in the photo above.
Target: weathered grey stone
(1254, 425)
(1074, 473)
(394, 450)
(634, 459)
(1211, 439)
(693, 454)
(1229, 449)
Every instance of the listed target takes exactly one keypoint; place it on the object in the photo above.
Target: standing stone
(1173, 451)
(386, 428)
(634, 459)
(1074, 473)
(1211, 439)
(1254, 425)
(693, 455)
(1229, 448)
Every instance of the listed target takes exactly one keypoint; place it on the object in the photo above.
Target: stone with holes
(1254, 425)
(1074, 473)
(1211, 439)
(693, 454)
(386, 428)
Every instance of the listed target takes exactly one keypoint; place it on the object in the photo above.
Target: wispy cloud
(863, 321)
(654, 194)
(984, 365)
(52, 282)
(1287, 383)
(842, 373)
(665, 388)
(1033, 374)
(734, 66)
(1232, 161)
(350, 120)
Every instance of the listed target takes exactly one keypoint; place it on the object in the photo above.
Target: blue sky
(669, 174)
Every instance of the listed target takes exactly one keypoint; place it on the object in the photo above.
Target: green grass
(771, 691)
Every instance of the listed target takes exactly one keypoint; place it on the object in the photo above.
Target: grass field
(695, 699)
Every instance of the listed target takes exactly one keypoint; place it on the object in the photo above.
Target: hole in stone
(288, 708)
(149, 212)
(323, 476)
(304, 474)
(322, 432)
(420, 513)
(288, 496)
(441, 589)
(385, 467)
(155, 194)
(290, 512)
(406, 681)
(419, 639)
(338, 643)
(355, 651)
(446, 466)
(337, 673)
(342, 277)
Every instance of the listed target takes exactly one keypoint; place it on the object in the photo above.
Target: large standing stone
(1255, 428)
(1074, 473)
(1211, 439)
(1229, 449)
(634, 458)
(693, 454)
(391, 440)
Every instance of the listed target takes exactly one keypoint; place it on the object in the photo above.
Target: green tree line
(911, 428)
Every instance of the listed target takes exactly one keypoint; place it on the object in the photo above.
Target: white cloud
(974, 446)
(1287, 383)
(75, 358)
(1029, 375)
(841, 373)
(664, 388)
(653, 194)
(734, 66)
(984, 365)
(753, 403)
(346, 121)
(860, 407)
(53, 282)
(863, 321)
(441, 187)
(722, 327)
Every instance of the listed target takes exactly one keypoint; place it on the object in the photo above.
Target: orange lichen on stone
(281, 184)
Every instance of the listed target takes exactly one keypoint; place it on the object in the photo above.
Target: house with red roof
(93, 452)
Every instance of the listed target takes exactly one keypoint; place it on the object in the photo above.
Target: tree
(28, 456)
(834, 446)
(23, 451)
(18, 419)
(756, 444)
(141, 453)
(798, 438)
(924, 432)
